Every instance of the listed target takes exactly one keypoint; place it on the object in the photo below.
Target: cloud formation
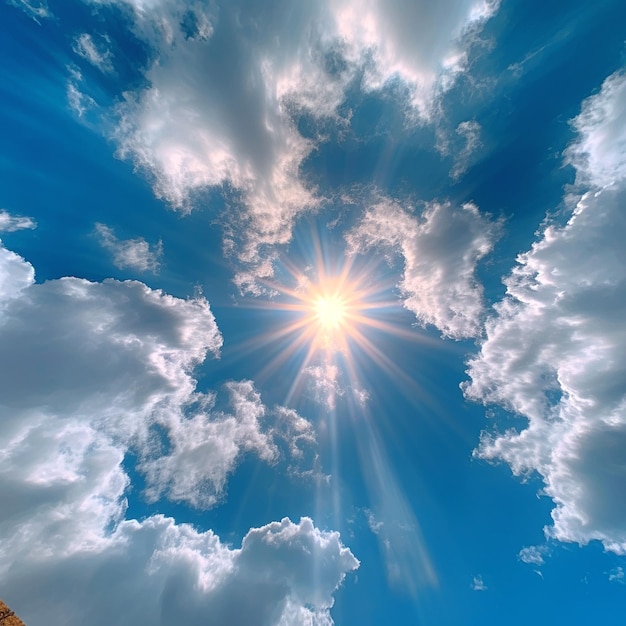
(478, 584)
(616, 575)
(533, 555)
(226, 85)
(93, 372)
(441, 249)
(462, 146)
(160, 572)
(136, 254)
(424, 44)
(35, 9)
(95, 53)
(10, 223)
(554, 350)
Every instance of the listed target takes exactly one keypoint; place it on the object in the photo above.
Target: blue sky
(313, 314)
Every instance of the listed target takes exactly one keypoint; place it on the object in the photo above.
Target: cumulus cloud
(160, 572)
(554, 349)
(15, 276)
(95, 53)
(97, 338)
(10, 223)
(598, 154)
(441, 249)
(94, 371)
(136, 254)
(226, 84)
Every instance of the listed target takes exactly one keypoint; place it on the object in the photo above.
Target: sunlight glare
(330, 311)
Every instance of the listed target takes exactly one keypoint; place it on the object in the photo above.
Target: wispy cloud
(616, 575)
(98, 54)
(35, 9)
(478, 584)
(462, 146)
(136, 254)
(10, 223)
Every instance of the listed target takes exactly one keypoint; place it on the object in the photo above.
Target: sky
(313, 313)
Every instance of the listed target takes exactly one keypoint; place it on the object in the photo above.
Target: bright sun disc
(330, 311)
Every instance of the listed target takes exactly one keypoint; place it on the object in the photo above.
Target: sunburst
(331, 311)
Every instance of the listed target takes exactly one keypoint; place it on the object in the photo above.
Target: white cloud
(324, 381)
(135, 254)
(159, 572)
(78, 101)
(423, 43)
(100, 336)
(205, 448)
(598, 154)
(374, 524)
(95, 53)
(214, 115)
(533, 555)
(15, 276)
(462, 146)
(115, 377)
(225, 82)
(10, 223)
(441, 249)
(35, 9)
(554, 352)
(478, 584)
(616, 575)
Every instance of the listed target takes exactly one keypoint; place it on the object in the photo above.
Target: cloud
(205, 447)
(135, 254)
(93, 372)
(478, 584)
(100, 336)
(533, 555)
(160, 572)
(554, 348)
(324, 382)
(441, 249)
(424, 44)
(78, 101)
(10, 223)
(15, 276)
(35, 9)
(616, 575)
(374, 524)
(462, 146)
(226, 85)
(95, 53)
(598, 154)
(214, 115)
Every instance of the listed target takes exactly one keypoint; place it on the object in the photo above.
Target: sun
(330, 311)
